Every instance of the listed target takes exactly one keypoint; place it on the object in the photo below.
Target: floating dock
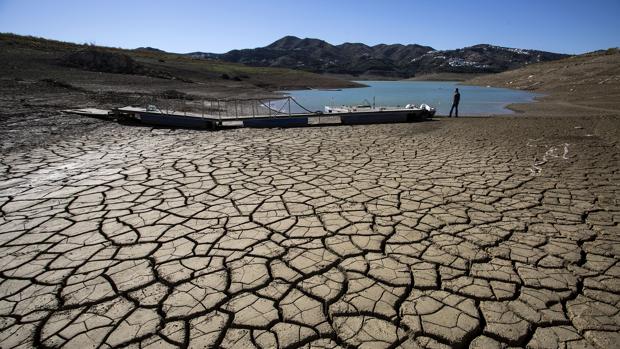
(212, 122)
(262, 115)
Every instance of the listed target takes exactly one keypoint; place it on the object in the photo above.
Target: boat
(423, 110)
(264, 115)
(92, 112)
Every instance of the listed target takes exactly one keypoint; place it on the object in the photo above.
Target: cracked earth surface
(430, 235)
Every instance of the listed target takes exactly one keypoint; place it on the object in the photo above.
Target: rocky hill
(396, 60)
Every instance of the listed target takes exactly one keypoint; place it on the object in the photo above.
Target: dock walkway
(206, 121)
(259, 114)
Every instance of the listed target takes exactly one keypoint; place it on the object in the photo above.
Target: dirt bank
(587, 84)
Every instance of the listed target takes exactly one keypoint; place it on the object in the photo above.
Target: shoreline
(508, 109)
(516, 110)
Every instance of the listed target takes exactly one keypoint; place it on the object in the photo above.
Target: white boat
(422, 109)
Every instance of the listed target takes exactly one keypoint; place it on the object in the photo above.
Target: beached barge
(268, 114)
(260, 114)
(187, 120)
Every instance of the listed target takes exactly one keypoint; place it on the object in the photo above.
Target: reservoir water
(475, 100)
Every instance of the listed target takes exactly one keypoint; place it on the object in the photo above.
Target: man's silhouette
(455, 103)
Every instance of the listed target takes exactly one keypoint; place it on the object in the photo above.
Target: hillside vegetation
(97, 68)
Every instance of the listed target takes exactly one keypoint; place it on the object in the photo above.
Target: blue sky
(567, 26)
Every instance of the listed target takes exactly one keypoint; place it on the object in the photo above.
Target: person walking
(455, 103)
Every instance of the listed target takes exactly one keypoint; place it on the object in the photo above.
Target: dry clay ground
(481, 233)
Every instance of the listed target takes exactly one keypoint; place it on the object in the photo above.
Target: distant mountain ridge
(395, 60)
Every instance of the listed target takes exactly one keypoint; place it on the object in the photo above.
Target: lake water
(475, 100)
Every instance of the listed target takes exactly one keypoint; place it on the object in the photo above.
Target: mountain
(396, 60)
(480, 59)
(150, 49)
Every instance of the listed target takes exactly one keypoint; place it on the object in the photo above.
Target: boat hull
(356, 118)
(176, 121)
(297, 120)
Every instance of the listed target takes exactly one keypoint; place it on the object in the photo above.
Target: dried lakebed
(415, 235)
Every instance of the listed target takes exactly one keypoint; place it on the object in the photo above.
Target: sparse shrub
(102, 61)
(174, 94)
(59, 83)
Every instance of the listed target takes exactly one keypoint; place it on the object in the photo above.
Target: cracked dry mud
(428, 235)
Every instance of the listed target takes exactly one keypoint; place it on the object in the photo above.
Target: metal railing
(222, 108)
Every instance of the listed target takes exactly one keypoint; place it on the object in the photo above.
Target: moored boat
(261, 114)
(424, 109)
